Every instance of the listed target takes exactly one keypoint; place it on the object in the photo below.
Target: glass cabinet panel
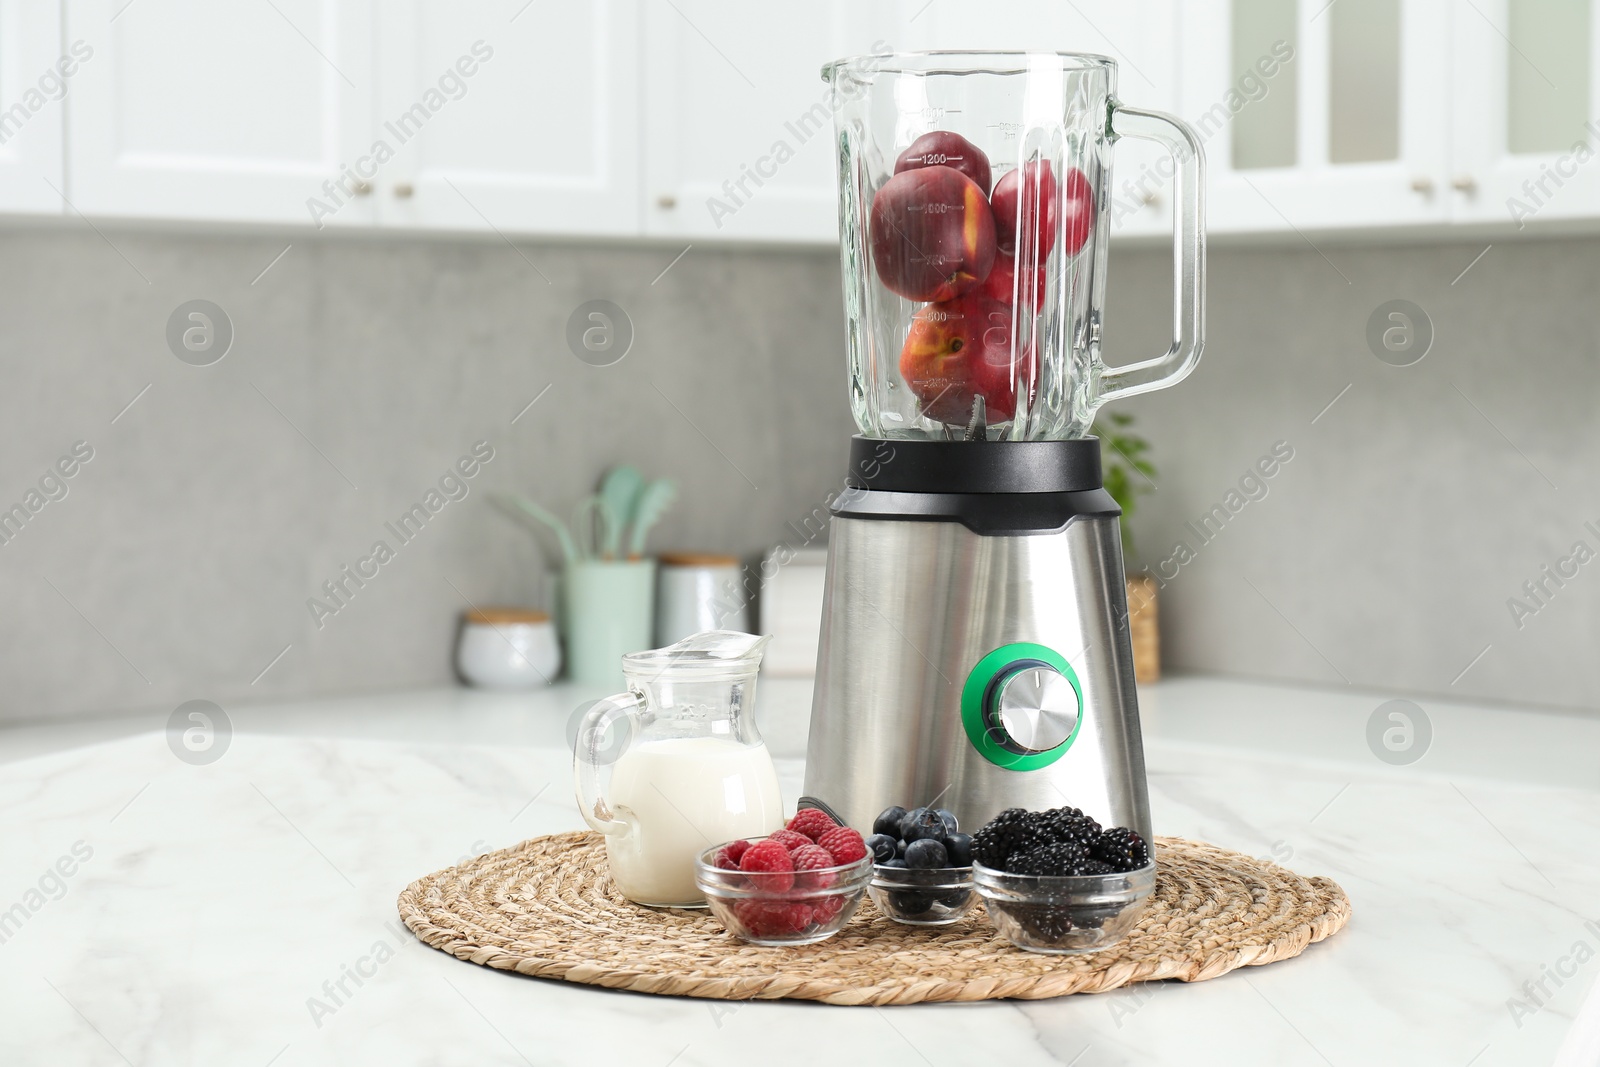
(1363, 81)
(1547, 74)
(1265, 130)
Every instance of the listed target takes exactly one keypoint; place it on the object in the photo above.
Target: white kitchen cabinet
(511, 117)
(1319, 115)
(1139, 34)
(738, 128)
(36, 71)
(707, 120)
(1525, 104)
(232, 112)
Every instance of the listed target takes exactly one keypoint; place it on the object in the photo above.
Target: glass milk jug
(676, 765)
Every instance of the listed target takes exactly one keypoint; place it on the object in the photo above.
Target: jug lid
(708, 653)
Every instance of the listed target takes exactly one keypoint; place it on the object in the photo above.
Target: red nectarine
(932, 234)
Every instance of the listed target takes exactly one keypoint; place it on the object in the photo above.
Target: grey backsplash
(180, 562)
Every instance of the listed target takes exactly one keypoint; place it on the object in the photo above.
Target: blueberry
(900, 849)
(911, 901)
(882, 847)
(959, 846)
(907, 820)
(923, 824)
(926, 854)
(893, 863)
(888, 821)
(951, 823)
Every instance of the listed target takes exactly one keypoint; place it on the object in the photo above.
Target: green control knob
(1022, 706)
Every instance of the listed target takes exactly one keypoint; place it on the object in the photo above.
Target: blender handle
(603, 735)
(1188, 256)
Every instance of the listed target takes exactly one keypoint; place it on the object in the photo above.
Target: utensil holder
(607, 609)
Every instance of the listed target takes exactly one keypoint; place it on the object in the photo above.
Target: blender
(975, 652)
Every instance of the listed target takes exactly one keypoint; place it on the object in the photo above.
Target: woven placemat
(547, 908)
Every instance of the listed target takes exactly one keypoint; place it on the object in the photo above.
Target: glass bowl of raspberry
(1062, 914)
(769, 894)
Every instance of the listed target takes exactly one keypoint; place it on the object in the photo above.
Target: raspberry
(826, 909)
(728, 855)
(813, 822)
(811, 858)
(789, 839)
(772, 918)
(844, 844)
(769, 865)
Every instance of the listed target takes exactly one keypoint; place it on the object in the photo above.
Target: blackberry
(1059, 859)
(1068, 824)
(1009, 817)
(993, 845)
(1044, 922)
(1097, 867)
(1122, 848)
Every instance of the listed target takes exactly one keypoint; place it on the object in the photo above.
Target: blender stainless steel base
(975, 651)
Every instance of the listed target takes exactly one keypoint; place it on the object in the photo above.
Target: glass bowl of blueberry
(1056, 882)
(922, 866)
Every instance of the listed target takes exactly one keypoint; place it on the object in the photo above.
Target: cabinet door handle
(1422, 185)
(1464, 184)
(666, 202)
(362, 188)
(404, 190)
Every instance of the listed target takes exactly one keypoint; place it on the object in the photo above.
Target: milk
(680, 796)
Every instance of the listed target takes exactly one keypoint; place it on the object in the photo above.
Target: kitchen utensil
(698, 591)
(975, 632)
(508, 648)
(592, 522)
(652, 503)
(607, 608)
(675, 765)
(521, 506)
(620, 490)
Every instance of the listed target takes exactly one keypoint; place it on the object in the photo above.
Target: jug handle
(596, 749)
(1188, 255)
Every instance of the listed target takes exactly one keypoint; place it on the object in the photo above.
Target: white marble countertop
(155, 912)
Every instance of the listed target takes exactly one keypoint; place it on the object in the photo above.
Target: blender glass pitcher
(974, 223)
(676, 765)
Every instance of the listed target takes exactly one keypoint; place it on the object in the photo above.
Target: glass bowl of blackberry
(922, 866)
(1057, 882)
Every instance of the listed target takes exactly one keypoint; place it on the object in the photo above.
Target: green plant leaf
(1121, 459)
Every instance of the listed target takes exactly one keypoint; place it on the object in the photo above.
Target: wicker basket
(1142, 616)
